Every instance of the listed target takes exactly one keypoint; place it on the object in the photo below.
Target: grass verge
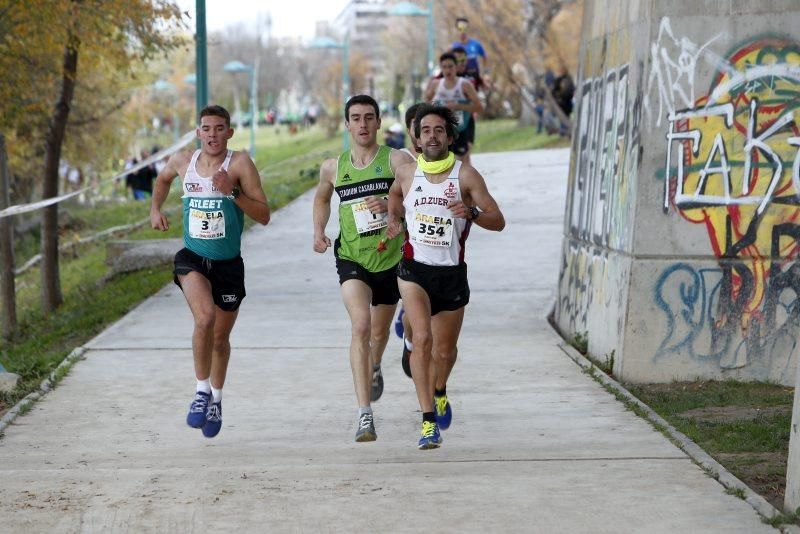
(742, 425)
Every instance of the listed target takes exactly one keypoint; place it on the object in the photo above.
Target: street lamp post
(201, 58)
(328, 43)
(407, 9)
(238, 66)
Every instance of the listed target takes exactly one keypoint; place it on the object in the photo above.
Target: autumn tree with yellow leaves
(59, 56)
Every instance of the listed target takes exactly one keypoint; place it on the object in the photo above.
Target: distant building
(365, 21)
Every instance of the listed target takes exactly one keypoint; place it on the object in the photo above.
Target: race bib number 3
(366, 221)
(206, 224)
(431, 230)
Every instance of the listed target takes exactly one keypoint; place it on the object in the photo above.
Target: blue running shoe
(431, 439)
(444, 414)
(398, 324)
(198, 409)
(213, 420)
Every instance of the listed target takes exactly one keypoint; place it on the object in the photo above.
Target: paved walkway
(535, 445)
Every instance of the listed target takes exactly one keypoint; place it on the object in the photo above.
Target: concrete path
(535, 445)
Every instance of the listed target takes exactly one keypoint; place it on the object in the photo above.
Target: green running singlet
(359, 230)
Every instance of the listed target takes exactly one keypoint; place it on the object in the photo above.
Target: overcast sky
(289, 17)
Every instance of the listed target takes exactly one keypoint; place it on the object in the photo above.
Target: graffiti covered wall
(683, 217)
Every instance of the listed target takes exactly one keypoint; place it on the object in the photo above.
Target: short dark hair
(410, 112)
(216, 111)
(458, 50)
(460, 19)
(446, 56)
(447, 114)
(361, 99)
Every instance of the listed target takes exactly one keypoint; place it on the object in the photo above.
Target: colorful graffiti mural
(733, 165)
(605, 161)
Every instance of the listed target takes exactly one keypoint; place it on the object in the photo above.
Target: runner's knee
(361, 330)
(204, 320)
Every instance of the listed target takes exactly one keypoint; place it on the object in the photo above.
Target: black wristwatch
(474, 213)
(234, 193)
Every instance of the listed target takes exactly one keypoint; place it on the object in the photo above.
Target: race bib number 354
(431, 230)
(366, 221)
(206, 224)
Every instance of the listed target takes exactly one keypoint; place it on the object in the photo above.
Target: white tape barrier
(187, 138)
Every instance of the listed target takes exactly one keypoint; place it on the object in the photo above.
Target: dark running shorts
(226, 277)
(383, 283)
(461, 145)
(447, 287)
(470, 130)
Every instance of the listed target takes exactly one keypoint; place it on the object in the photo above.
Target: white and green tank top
(212, 223)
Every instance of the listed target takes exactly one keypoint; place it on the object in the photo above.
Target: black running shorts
(447, 286)
(226, 277)
(461, 145)
(382, 283)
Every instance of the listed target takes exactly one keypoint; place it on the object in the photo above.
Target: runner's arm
(322, 204)
(430, 90)
(474, 105)
(473, 187)
(251, 198)
(397, 158)
(396, 210)
(160, 191)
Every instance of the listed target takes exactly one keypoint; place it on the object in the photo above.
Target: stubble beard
(435, 153)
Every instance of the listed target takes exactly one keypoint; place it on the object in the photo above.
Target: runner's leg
(197, 291)
(357, 296)
(418, 311)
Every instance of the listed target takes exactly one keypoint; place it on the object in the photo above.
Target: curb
(712, 468)
(47, 384)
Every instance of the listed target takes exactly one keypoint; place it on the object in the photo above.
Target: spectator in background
(130, 178)
(563, 92)
(394, 137)
(143, 180)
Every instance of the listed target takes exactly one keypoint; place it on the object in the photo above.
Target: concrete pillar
(682, 226)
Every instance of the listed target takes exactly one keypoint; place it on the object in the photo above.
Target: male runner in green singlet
(219, 187)
(365, 260)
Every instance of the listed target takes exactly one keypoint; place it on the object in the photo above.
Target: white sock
(409, 346)
(216, 394)
(204, 385)
(364, 409)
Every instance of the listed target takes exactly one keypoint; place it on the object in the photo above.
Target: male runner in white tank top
(441, 199)
(219, 187)
(459, 95)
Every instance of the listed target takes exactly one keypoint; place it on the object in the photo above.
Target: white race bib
(366, 221)
(206, 224)
(431, 230)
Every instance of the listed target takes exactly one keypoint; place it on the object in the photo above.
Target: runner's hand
(458, 209)
(321, 243)
(377, 204)
(222, 181)
(159, 221)
(393, 229)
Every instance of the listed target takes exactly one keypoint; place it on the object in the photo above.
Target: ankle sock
(204, 386)
(429, 417)
(216, 394)
(364, 409)
(440, 392)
